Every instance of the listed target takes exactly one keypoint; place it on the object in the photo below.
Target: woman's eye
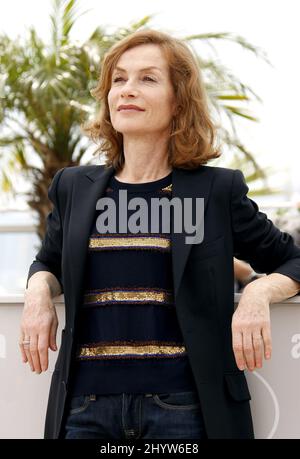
(119, 78)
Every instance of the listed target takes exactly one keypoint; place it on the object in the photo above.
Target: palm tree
(45, 97)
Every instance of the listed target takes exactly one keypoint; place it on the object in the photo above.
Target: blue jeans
(133, 416)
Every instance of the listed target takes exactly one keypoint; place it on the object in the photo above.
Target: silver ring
(25, 342)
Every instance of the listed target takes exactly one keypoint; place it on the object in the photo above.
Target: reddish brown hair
(191, 142)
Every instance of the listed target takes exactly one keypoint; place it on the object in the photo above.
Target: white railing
(274, 388)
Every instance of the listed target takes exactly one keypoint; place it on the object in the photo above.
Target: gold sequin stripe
(129, 295)
(129, 241)
(121, 235)
(128, 351)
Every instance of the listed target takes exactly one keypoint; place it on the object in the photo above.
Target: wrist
(38, 289)
(260, 286)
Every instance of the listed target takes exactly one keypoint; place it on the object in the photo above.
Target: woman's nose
(128, 89)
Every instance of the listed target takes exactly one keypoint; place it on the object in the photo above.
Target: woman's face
(149, 89)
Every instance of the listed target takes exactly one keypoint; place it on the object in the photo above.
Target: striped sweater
(129, 339)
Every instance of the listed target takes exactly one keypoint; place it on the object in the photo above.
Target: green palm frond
(6, 141)
(239, 112)
(5, 183)
(63, 19)
(241, 41)
(19, 158)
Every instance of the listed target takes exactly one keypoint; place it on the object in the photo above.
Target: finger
(22, 350)
(257, 345)
(28, 355)
(53, 332)
(35, 354)
(237, 345)
(267, 341)
(43, 344)
(248, 350)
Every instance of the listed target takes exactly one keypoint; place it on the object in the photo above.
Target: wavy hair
(193, 134)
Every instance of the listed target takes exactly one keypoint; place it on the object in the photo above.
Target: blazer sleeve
(50, 254)
(256, 239)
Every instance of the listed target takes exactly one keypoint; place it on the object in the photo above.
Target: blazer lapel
(89, 187)
(186, 184)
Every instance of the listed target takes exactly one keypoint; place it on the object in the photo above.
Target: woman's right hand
(39, 325)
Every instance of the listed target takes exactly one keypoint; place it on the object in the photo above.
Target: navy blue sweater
(129, 338)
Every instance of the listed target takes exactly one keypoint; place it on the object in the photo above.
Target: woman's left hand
(251, 329)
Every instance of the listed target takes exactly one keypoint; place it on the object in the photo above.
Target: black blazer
(203, 281)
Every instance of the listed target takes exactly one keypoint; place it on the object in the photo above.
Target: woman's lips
(130, 110)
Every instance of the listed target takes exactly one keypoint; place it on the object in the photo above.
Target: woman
(152, 347)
